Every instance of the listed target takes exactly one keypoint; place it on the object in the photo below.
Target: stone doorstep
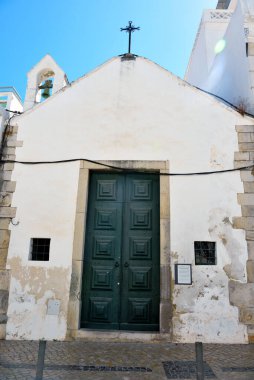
(119, 336)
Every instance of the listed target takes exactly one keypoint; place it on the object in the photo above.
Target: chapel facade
(127, 209)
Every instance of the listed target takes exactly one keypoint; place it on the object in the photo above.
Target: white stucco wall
(228, 74)
(13, 104)
(131, 110)
(212, 28)
(38, 282)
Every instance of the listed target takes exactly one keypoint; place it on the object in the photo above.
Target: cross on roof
(130, 29)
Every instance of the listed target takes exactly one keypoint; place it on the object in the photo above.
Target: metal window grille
(40, 249)
(205, 252)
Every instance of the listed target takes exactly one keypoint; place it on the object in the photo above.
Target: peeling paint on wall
(235, 256)
(203, 311)
(30, 290)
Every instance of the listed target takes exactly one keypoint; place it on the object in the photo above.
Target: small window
(205, 253)
(40, 249)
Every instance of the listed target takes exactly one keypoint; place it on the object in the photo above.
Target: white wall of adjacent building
(228, 73)
(9, 100)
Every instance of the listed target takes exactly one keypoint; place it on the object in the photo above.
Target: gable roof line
(225, 102)
(228, 106)
(69, 85)
(220, 101)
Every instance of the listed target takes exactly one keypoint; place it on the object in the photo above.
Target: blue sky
(82, 34)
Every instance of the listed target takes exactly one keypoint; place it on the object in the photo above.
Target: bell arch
(46, 77)
(45, 84)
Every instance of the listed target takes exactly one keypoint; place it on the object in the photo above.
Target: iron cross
(130, 29)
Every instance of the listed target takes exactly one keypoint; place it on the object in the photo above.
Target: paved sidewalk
(124, 361)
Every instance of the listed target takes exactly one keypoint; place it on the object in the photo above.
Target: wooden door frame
(74, 308)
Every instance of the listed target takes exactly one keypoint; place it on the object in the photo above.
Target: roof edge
(222, 102)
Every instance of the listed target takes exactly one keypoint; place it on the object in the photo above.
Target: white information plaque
(183, 274)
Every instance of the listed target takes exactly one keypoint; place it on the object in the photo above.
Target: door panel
(140, 254)
(101, 275)
(121, 262)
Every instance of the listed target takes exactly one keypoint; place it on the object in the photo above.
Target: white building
(103, 235)
(222, 59)
(9, 101)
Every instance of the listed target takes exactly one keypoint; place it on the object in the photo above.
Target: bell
(45, 94)
(46, 88)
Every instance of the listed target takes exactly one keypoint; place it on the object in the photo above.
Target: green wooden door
(121, 283)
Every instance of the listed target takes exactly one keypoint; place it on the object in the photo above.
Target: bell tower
(43, 80)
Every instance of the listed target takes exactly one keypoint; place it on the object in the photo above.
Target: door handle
(116, 264)
(126, 264)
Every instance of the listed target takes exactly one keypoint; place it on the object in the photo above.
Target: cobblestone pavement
(124, 361)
